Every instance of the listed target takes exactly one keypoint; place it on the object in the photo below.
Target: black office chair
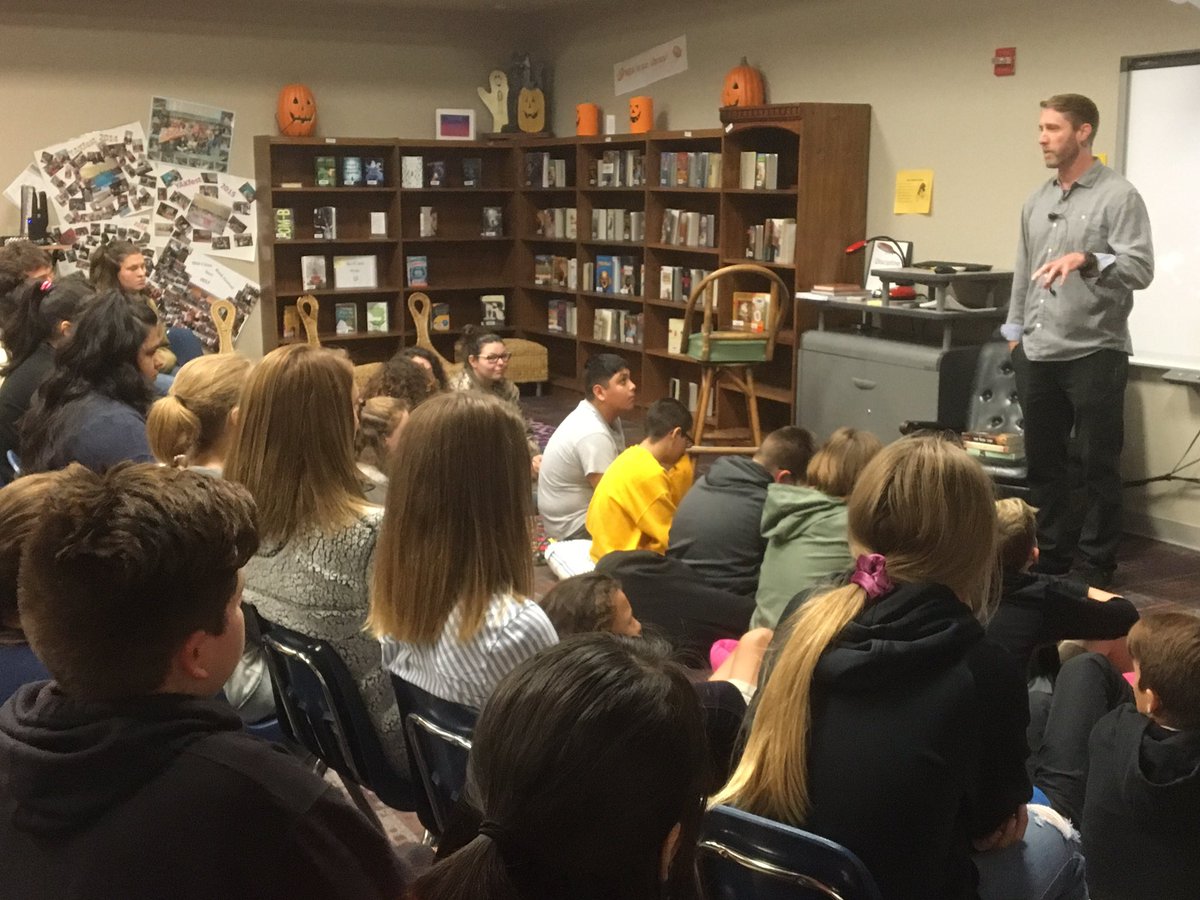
(742, 855)
(438, 737)
(322, 710)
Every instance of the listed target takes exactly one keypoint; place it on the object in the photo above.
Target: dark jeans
(1087, 396)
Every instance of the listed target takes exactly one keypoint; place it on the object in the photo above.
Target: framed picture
(454, 125)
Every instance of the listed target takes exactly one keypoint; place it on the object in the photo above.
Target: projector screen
(1160, 129)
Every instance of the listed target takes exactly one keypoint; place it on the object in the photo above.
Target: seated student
(805, 525)
(21, 506)
(121, 777)
(430, 362)
(193, 425)
(453, 571)
(586, 776)
(21, 261)
(1141, 820)
(92, 407)
(1043, 609)
(716, 529)
(35, 323)
(888, 723)
(584, 446)
(635, 500)
(590, 602)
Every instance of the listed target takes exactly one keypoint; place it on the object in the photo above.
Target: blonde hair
(456, 522)
(22, 504)
(191, 420)
(293, 448)
(1016, 526)
(835, 468)
(917, 502)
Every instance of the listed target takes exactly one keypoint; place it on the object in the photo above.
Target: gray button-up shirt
(1102, 213)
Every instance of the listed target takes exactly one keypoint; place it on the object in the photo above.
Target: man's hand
(1010, 831)
(1056, 271)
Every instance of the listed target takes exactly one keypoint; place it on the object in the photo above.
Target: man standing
(1084, 248)
(583, 446)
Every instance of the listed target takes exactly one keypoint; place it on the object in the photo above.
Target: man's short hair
(24, 257)
(1016, 522)
(124, 567)
(664, 416)
(1076, 107)
(1166, 648)
(600, 369)
(790, 448)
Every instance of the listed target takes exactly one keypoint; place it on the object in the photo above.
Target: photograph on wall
(83, 240)
(213, 212)
(98, 176)
(190, 134)
(190, 282)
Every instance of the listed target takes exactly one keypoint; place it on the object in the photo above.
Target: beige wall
(924, 66)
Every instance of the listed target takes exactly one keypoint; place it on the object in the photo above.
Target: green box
(749, 351)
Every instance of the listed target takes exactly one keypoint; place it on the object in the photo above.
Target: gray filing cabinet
(875, 384)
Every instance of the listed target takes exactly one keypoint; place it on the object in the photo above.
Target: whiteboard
(1160, 130)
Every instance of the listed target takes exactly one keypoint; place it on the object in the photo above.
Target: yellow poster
(914, 191)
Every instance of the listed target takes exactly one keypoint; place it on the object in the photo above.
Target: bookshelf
(821, 155)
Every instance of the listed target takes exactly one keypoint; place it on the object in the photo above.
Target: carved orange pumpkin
(531, 110)
(296, 112)
(743, 86)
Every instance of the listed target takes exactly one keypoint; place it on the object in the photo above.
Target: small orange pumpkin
(296, 111)
(743, 86)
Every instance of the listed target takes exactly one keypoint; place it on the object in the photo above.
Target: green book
(326, 171)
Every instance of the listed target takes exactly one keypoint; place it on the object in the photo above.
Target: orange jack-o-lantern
(743, 86)
(531, 110)
(296, 112)
(641, 114)
(587, 119)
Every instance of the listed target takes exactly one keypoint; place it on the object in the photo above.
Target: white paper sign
(650, 66)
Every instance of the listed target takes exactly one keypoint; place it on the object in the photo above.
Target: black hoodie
(165, 796)
(1141, 819)
(917, 742)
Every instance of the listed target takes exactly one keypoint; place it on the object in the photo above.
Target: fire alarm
(1005, 61)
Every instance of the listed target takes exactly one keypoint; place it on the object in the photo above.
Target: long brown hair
(294, 444)
(927, 507)
(456, 522)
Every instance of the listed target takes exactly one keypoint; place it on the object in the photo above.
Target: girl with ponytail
(888, 723)
(192, 426)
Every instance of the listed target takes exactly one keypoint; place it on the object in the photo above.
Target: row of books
(557, 222)
(772, 241)
(675, 282)
(559, 271)
(415, 172)
(683, 169)
(618, 326)
(562, 316)
(325, 223)
(542, 171)
(355, 172)
(618, 168)
(491, 307)
(758, 171)
(345, 319)
(491, 222)
(675, 387)
(618, 225)
(685, 228)
(349, 273)
(616, 275)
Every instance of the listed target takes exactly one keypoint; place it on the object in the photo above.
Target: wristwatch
(1090, 266)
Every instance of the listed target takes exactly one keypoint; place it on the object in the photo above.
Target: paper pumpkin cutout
(531, 110)
(296, 111)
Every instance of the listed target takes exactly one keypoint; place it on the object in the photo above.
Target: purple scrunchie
(870, 573)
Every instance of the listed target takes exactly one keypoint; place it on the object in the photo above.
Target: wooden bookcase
(822, 184)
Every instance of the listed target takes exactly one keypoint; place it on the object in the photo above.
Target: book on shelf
(750, 310)
(608, 273)
(352, 171)
(543, 269)
(561, 316)
(428, 222)
(412, 171)
(629, 285)
(285, 224)
(435, 173)
(746, 163)
(374, 172)
(417, 268)
(492, 309)
(377, 316)
(345, 317)
(675, 388)
(379, 224)
(472, 171)
(631, 328)
(291, 322)
(766, 171)
(326, 171)
(325, 223)
(350, 272)
(492, 224)
(313, 275)
(675, 335)
(440, 313)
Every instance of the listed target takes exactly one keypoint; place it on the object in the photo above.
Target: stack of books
(838, 290)
(695, 170)
(1002, 447)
